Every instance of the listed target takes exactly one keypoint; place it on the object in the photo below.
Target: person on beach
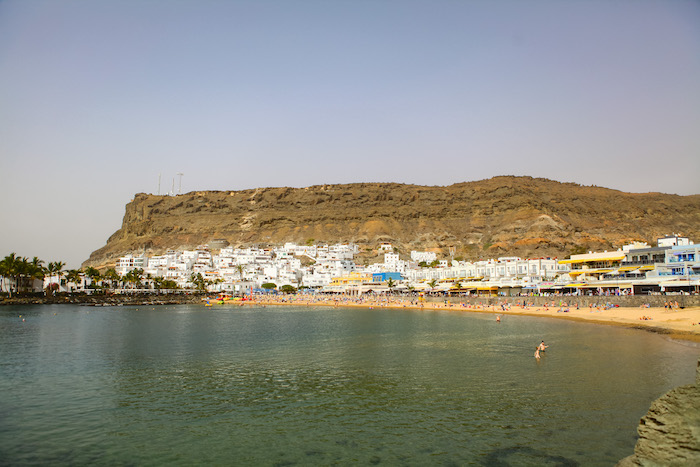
(542, 347)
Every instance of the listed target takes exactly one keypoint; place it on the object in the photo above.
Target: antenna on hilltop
(179, 189)
(158, 184)
(172, 189)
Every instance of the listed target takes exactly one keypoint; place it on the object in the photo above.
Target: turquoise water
(317, 386)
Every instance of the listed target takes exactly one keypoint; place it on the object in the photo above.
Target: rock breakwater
(669, 434)
(105, 299)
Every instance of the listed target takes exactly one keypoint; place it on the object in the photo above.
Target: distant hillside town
(672, 265)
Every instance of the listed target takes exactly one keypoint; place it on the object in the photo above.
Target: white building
(423, 256)
(129, 262)
(673, 240)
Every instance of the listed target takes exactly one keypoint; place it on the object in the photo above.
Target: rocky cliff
(521, 216)
(669, 434)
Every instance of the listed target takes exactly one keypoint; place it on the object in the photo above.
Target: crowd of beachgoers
(681, 322)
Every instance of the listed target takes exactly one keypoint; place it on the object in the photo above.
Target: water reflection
(291, 386)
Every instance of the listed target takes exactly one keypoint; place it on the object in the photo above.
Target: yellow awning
(627, 268)
(602, 271)
(577, 272)
(572, 261)
(487, 288)
(593, 260)
(648, 267)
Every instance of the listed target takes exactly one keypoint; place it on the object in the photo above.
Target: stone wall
(583, 301)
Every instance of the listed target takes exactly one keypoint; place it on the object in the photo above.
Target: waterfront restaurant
(593, 265)
(594, 271)
(354, 283)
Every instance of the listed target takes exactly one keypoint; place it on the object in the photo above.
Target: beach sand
(679, 323)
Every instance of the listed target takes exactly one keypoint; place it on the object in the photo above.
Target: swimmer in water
(537, 352)
(541, 347)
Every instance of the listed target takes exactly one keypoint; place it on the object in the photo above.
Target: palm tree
(240, 269)
(94, 275)
(35, 271)
(21, 270)
(5, 272)
(112, 276)
(390, 284)
(134, 277)
(432, 284)
(138, 275)
(13, 267)
(56, 268)
(128, 278)
(198, 281)
(73, 275)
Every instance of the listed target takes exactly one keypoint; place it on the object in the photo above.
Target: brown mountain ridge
(513, 216)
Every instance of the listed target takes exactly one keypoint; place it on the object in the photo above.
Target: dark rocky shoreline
(104, 299)
(669, 434)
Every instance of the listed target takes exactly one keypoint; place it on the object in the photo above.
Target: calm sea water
(318, 386)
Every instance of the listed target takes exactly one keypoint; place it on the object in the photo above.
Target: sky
(99, 100)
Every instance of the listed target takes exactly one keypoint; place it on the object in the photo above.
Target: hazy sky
(98, 98)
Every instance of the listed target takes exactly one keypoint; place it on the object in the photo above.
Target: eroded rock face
(523, 216)
(669, 434)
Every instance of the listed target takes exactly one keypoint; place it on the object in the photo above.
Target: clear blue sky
(99, 98)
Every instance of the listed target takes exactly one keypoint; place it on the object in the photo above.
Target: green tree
(22, 271)
(56, 268)
(240, 269)
(111, 276)
(390, 284)
(94, 276)
(19, 270)
(73, 276)
(35, 271)
(288, 289)
(169, 284)
(134, 277)
(269, 286)
(198, 281)
(8, 269)
(217, 281)
(3, 274)
(432, 284)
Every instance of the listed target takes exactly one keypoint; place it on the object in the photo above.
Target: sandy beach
(677, 323)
